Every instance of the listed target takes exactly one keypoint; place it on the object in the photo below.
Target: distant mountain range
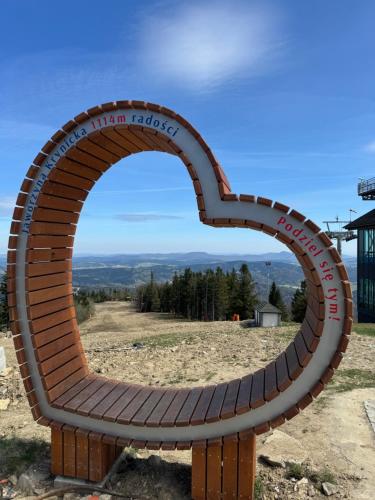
(131, 270)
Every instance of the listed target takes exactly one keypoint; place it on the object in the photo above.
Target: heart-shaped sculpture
(60, 389)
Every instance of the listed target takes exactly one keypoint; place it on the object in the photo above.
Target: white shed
(267, 315)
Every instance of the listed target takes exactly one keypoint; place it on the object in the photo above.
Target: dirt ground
(157, 349)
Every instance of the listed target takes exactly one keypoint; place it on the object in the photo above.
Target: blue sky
(293, 81)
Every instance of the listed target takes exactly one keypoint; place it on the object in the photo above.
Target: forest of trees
(299, 303)
(209, 295)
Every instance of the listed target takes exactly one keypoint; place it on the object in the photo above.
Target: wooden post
(224, 470)
(80, 454)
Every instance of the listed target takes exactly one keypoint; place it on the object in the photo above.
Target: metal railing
(366, 186)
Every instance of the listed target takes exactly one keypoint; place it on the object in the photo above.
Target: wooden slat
(198, 472)
(121, 403)
(282, 375)
(52, 228)
(303, 354)
(98, 151)
(132, 408)
(311, 340)
(106, 142)
(95, 398)
(62, 373)
(160, 409)
(82, 457)
(246, 467)
(171, 414)
(69, 451)
(58, 203)
(83, 395)
(57, 346)
(76, 168)
(230, 466)
(87, 159)
(188, 408)
(67, 383)
(70, 179)
(47, 294)
(294, 368)
(48, 254)
(59, 359)
(73, 391)
(43, 282)
(199, 414)
(213, 413)
(43, 268)
(144, 412)
(117, 139)
(107, 402)
(244, 394)
(40, 310)
(40, 324)
(270, 385)
(229, 406)
(131, 141)
(57, 449)
(96, 472)
(51, 334)
(257, 390)
(214, 473)
(63, 191)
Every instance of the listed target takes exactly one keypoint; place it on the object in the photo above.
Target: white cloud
(370, 147)
(7, 204)
(203, 46)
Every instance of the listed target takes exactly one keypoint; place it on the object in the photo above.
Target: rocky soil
(327, 450)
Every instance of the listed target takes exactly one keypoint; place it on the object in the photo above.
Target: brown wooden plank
(117, 139)
(54, 333)
(303, 354)
(282, 374)
(73, 391)
(82, 457)
(70, 179)
(42, 241)
(315, 324)
(58, 203)
(213, 412)
(43, 282)
(214, 472)
(198, 473)
(230, 466)
(112, 413)
(69, 451)
(40, 324)
(62, 373)
(98, 151)
(40, 310)
(294, 368)
(59, 359)
(52, 228)
(132, 408)
(160, 409)
(257, 390)
(57, 450)
(246, 467)
(86, 159)
(204, 402)
(96, 398)
(188, 407)
(57, 346)
(107, 402)
(311, 340)
(107, 143)
(96, 472)
(171, 414)
(132, 141)
(47, 294)
(67, 383)
(160, 143)
(83, 395)
(76, 168)
(48, 254)
(144, 412)
(229, 406)
(42, 268)
(244, 393)
(63, 191)
(270, 385)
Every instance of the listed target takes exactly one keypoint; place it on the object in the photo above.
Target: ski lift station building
(267, 315)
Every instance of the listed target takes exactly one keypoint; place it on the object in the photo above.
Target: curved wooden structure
(90, 412)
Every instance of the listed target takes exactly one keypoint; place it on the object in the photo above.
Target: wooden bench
(50, 352)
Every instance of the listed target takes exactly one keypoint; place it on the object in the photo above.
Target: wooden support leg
(224, 470)
(80, 454)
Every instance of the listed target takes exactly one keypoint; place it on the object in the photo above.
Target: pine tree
(275, 298)
(299, 303)
(247, 295)
(4, 315)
